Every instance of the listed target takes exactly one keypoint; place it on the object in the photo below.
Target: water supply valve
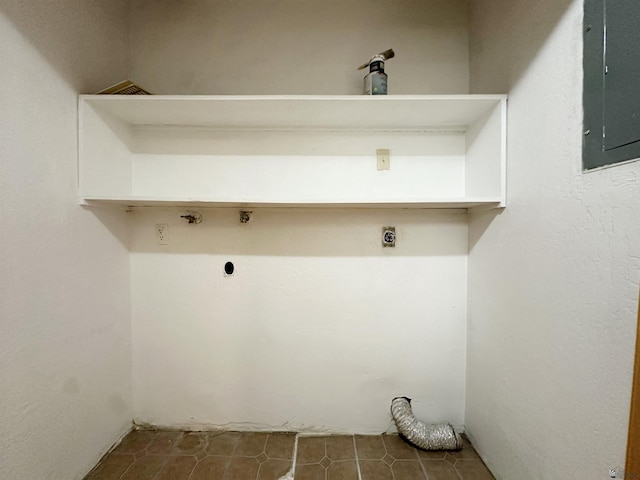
(192, 217)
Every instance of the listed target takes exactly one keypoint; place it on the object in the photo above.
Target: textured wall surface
(553, 280)
(297, 47)
(321, 327)
(65, 361)
(318, 329)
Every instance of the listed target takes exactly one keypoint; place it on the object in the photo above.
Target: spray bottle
(375, 82)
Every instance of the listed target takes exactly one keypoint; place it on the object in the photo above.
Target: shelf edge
(440, 203)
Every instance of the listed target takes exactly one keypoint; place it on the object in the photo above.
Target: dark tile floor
(171, 455)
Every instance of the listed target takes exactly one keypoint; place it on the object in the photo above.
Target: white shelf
(293, 151)
(202, 202)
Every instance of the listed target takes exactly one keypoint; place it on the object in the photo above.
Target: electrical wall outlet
(162, 234)
(384, 158)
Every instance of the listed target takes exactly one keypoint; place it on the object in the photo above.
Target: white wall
(318, 329)
(297, 46)
(553, 280)
(321, 327)
(65, 362)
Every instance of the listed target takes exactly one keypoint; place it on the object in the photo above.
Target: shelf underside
(133, 201)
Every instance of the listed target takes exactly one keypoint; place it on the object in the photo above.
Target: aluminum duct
(427, 437)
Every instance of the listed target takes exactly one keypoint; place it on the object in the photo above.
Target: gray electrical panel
(611, 82)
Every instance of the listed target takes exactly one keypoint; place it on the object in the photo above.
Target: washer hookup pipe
(419, 434)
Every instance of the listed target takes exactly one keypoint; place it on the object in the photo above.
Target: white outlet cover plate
(162, 234)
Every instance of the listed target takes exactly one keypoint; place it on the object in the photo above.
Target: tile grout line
(456, 468)
(424, 470)
(326, 473)
(264, 450)
(355, 449)
(205, 449)
(386, 451)
(168, 455)
(417, 454)
(194, 456)
(134, 455)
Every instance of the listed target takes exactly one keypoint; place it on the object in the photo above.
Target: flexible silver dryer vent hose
(427, 437)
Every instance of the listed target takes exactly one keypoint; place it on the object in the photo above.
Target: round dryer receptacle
(388, 236)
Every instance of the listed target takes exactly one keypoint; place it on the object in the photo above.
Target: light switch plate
(384, 158)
